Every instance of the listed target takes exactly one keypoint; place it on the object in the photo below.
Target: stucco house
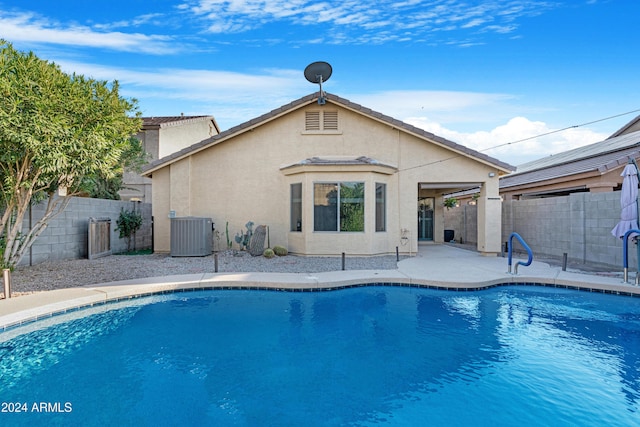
(326, 178)
(161, 136)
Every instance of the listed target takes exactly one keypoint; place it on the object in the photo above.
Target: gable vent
(312, 120)
(321, 120)
(330, 121)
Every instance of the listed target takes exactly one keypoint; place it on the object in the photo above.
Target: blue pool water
(509, 356)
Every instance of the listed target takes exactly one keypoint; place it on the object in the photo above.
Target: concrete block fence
(578, 224)
(66, 236)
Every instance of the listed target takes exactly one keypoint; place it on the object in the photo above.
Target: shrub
(280, 250)
(450, 202)
(268, 253)
(127, 224)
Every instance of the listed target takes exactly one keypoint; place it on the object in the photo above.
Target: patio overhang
(449, 187)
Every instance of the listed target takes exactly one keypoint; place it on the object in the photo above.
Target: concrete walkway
(439, 266)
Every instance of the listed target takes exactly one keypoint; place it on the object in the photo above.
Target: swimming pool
(356, 357)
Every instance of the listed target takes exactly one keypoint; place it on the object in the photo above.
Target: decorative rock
(256, 245)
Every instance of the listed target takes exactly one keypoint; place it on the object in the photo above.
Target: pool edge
(33, 307)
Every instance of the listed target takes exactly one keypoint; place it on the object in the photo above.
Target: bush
(268, 253)
(450, 202)
(280, 250)
(128, 223)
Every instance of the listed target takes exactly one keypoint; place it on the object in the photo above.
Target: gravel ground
(80, 272)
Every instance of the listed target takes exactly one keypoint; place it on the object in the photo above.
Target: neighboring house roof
(167, 121)
(599, 157)
(632, 126)
(306, 100)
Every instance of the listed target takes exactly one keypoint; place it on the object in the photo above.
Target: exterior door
(425, 218)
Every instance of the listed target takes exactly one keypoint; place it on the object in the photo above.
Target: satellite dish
(318, 72)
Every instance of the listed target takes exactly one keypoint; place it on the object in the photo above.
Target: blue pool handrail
(625, 255)
(525, 246)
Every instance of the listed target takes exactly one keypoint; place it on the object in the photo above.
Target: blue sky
(481, 73)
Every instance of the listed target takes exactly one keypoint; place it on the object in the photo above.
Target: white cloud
(28, 28)
(232, 97)
(464, 111)
(154, 18)
(194, 84)
(364, 20)
(407, 102)
(335, 21)
(502, 118)
(516, 141)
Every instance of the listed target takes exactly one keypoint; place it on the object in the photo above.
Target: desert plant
(280, 250)
(243, 239)
(268, 253)
(229, 243)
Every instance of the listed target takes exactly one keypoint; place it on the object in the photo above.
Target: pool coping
(33, 307)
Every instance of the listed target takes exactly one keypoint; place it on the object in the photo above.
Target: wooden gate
(99, 243)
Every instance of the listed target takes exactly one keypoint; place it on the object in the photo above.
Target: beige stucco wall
(246, 179)
(160, 141)
(175, 137)
(160, 208)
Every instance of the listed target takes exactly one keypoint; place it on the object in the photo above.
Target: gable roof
(309, 99)
(632, 126)
(598, 157)
(168, 121)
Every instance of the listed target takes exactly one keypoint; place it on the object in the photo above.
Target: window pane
(296, 207)
(352, 206)
(325, 207)
(381, 206)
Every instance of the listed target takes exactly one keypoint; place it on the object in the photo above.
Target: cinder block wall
(579, 225)
(66, 236)
(463, 220)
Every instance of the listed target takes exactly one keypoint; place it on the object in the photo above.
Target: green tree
(56, 131)
(132, 159)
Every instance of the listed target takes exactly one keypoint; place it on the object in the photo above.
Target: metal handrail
(524, 245)
(625, 255)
